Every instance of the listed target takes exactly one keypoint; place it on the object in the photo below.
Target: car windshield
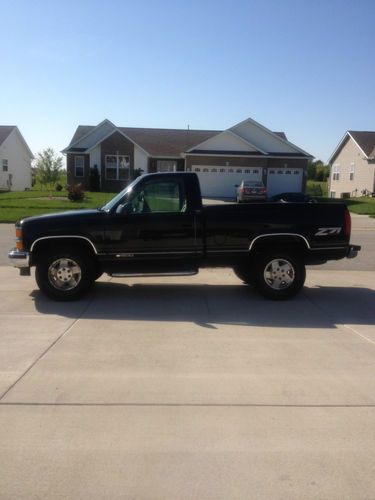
(120, 196)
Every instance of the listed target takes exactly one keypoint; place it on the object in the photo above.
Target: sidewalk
(362, 222)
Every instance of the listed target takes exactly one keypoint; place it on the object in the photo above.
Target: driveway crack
(60, 337)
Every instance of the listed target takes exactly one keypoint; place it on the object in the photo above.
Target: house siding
(18, 176)
(364, 171)
(225, 161)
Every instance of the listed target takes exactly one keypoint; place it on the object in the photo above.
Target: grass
(20, 204)
(315, 188)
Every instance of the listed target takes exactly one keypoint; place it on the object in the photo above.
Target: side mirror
(126, 208)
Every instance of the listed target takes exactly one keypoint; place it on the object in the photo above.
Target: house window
(166, 165)
(79, 166)
(5, 165)
(336, 173)
(351, 171)
(255, 171)
(117, 167)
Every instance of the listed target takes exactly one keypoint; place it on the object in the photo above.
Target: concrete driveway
(188, 388)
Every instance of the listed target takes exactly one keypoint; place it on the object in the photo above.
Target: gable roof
(5, 130)
(167, 142)
(156, 142)
(365, 141)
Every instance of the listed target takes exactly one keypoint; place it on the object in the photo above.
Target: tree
(48, 167)
(317, 171)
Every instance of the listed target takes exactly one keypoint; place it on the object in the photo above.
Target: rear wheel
(279, 275)
(64, 275)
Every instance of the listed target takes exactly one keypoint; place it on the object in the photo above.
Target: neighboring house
(15, 160)
(221, 159)
(353, 165)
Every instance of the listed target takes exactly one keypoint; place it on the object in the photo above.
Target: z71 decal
(328, 231)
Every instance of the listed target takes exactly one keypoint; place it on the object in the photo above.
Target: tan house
(353, 166)
(221, 159)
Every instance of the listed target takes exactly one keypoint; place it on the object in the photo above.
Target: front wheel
(65, 275)
(279, 275)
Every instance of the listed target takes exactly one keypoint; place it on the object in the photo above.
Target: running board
(150, 275)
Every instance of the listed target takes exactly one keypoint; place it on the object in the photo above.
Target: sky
(305, 67)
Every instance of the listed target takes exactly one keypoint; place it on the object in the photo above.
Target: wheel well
(292, 244)
(51, 245)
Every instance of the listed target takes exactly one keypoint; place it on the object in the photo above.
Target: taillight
(19, 240)
(348, 223)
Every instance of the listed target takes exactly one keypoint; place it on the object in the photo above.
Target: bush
(76, 193)
(58, 187)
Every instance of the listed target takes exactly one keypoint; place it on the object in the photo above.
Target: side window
(159, 196)
(79, 165)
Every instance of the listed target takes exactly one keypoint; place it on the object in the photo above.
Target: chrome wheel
(64, 274)
(279, 274)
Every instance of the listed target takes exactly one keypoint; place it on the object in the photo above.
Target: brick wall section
(115, 144)
(71, 178)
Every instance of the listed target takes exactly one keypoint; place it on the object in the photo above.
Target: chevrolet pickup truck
(158, 226)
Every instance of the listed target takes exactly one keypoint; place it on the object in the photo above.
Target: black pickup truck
(157, 226)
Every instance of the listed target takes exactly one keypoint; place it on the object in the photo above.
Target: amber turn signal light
(19, 241)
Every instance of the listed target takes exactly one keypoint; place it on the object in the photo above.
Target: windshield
(120, 196)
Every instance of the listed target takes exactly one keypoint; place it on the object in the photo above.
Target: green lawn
(16, 205)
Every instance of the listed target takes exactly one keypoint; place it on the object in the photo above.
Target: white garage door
(284, 181)
(220, 182)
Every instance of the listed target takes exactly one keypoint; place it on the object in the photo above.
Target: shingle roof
(365, 140)
(167, 142)
(5, 130)
(157, 141)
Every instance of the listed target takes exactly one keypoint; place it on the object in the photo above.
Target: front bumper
(21, 260)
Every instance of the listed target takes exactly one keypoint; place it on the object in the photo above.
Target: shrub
(76, 193)
(58, 187)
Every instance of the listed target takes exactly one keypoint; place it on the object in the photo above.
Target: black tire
(64, 274)
(279, 275)
(244, 274)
